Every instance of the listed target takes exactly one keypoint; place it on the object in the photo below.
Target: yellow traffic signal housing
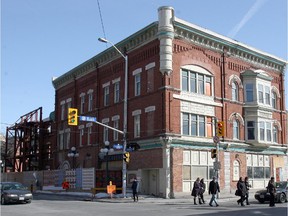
(220, 129)
(126, 157)
(213, 153)
(72, 116)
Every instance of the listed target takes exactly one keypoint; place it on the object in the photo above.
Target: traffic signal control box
(72, 116)
(220, 129)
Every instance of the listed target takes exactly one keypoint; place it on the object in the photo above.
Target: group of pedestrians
(199, 188)
(243, 187)
(243, 191)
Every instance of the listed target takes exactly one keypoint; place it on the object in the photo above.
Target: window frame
(196, 125)
(235, 91)
(117, 92)
(82, 103)
(90, 102)
(251, 130)
(106, 95)
(196, 82)
(274, 100)
(137, 83)
(137, 125)
(249, 90)
(115, 133)
(236, 129)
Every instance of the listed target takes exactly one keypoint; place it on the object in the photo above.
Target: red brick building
(182, 79)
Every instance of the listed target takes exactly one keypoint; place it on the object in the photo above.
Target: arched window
(235, 91)
(274, 100)
(236, 129)
(275, 134)
(236, 170)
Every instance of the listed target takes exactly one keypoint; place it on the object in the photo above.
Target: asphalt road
(48, 205)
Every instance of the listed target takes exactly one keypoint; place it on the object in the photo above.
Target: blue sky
(41, 39)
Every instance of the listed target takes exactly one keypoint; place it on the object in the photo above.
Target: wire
(102, 23)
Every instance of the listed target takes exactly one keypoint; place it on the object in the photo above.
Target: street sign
(87, 118)
(117, 146)
(215, 139)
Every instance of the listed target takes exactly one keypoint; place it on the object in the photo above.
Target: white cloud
(251, 12)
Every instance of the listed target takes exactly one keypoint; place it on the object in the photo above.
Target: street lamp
(73, 154)
(106, 151)
(124, 169)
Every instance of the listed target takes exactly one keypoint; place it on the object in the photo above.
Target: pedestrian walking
(271, 188)
(241, 187)
(248, 186)
(202, 191)
(196, 190)
(213, 189)
(135, 189)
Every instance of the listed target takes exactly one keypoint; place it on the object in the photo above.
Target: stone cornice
(216, 42)
(183, 30)
(136, 40)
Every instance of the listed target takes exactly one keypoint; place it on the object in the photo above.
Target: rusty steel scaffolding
(26, 136)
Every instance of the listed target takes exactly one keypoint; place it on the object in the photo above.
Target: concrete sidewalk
(104, 197)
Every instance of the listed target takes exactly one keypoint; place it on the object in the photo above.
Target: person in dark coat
(134, 189)
(241, 187)
(213, 189)
(248, 186)
(202, 190)
(271, 188)
(196, 190)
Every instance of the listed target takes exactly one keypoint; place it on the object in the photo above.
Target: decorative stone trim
(150, 109)
(137, 71)
(115, 118)
(105, 120)
(116, 80)
(136, 112)
(150, 65)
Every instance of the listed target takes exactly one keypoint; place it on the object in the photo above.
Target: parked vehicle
(14, 192)
(281, 193)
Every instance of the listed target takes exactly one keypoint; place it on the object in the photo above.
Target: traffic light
(213, 153)
(72, 116)
(126, 157)
(220, 129)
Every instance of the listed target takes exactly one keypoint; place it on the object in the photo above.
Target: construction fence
(79, 179)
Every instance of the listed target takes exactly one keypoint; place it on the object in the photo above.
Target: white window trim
(150, 109)
(150, 65)
(116, 80)
(90, 91)
(106, 84)
(137, 71)
(115, 118)
(105, 120)
(136, 112)
(81, 127)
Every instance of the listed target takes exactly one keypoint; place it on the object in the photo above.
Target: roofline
(226, 40)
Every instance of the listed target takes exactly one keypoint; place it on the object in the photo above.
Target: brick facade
(162, 104)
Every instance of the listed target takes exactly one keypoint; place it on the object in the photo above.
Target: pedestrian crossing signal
(72, 116)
